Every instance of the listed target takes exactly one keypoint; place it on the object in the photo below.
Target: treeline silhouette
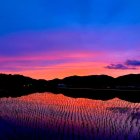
(102, 87)
(18, 85)
(131, 82)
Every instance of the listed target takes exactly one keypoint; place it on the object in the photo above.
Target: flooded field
(48, 116)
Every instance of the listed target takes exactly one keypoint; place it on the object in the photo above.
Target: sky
(47, 39)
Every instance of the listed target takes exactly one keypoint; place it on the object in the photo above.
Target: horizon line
(70, 76)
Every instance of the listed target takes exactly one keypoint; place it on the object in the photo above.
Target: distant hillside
(131, 81)
(102, 87)
(17, 85)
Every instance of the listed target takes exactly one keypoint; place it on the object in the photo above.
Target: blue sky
(17, 16)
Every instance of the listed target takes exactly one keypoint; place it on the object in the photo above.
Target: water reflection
(50, 116)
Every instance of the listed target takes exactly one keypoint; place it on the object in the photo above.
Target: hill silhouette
(131, 81)
(18, 85)
(102, 87)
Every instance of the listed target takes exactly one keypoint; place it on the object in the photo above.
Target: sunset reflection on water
(55, 116)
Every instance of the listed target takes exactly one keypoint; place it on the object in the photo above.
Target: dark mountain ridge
(102, 87)
(131, 81)
(18, 85)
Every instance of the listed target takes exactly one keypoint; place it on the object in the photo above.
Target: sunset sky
(58, 38)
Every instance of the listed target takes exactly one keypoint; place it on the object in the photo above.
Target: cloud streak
(127, 65)
(119, 67)
(46, 60)
(33, 52)
(135, 63)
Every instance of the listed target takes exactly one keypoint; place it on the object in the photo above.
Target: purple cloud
(132, 63)
(118, 66)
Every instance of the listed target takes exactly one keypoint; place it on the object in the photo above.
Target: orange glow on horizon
(70, 69)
